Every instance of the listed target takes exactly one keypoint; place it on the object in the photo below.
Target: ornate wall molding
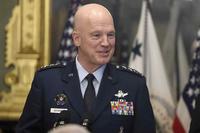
(27, 48)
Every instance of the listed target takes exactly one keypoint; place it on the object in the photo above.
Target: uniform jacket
(195, 123)
(122, 104)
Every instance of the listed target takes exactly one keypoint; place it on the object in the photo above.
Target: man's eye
(95, 36)
(111, 35)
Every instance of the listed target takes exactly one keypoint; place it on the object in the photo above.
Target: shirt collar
(98, 74)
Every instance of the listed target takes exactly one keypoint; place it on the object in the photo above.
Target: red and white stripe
(182, 119)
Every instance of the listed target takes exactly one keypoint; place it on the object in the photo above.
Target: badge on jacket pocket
(60, 99)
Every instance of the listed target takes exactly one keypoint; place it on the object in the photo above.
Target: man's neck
(90, 68)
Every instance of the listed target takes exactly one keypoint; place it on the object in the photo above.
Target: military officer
(195, 122)
(91, 91)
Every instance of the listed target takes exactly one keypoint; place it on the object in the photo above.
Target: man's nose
(105, 41)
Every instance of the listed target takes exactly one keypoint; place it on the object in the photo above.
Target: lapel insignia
(121, 94)
(60, 99)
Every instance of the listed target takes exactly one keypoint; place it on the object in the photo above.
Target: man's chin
(103, 61)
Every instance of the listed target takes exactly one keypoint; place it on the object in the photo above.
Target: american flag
(191, 91)
(67, 51)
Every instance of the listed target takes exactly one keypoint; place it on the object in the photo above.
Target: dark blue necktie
(89, 97)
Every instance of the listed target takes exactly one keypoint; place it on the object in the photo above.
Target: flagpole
(116, 14)
(177, 66)
(145, 40)
(147, 57)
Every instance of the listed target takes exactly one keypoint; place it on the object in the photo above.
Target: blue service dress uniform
(122, 104)
(195, 122)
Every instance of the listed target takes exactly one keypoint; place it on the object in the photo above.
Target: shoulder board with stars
(57, 65)
(128, 69)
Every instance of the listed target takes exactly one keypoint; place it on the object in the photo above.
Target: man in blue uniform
(92, 92)
(195, 122)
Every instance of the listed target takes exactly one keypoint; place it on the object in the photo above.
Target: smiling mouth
(104, 53)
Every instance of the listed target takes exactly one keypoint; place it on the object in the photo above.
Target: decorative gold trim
(27, 48)
(47, 37)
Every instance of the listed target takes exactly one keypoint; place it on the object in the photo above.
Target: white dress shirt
(82, 73)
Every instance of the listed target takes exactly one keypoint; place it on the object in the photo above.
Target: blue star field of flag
(67, 51)
(192, 88)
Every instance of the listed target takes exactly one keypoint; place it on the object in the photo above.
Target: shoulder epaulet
(128, 69)
(57, 65)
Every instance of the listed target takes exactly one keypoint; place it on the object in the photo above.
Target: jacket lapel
(106, 90)
(72, 90)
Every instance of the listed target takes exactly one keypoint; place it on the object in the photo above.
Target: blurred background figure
(69, 128)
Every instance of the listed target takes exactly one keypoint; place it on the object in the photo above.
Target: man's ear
(76, 38)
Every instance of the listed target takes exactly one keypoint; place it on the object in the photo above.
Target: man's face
(97, 41)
